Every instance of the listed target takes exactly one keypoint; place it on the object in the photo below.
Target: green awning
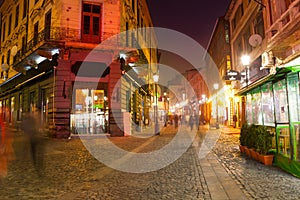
(280, 73)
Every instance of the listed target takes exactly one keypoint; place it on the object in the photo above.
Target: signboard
(232, 75)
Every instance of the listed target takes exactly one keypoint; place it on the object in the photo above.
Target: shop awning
(280, 73)
(20, 79)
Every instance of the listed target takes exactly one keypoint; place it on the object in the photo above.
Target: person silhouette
(31, 125)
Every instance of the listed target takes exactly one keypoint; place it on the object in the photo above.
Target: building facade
(219, 51)
(85, 66)
(268, 33)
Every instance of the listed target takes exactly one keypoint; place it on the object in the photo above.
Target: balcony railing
(292, 13)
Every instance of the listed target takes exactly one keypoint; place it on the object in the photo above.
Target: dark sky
(195, 18)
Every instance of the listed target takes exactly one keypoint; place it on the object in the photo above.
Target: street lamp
(156, 129)
(216, 87)
(246, 61)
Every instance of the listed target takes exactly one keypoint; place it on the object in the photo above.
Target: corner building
(268, 32)
(51, 63)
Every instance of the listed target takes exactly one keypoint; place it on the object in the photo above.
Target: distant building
(219, 51)
(46, 65)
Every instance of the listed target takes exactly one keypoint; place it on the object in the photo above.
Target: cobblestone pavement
(256, 180)
(66, 170)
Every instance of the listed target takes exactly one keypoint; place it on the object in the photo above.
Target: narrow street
(66, 170)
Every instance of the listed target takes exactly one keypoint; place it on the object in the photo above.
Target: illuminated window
(91, 22)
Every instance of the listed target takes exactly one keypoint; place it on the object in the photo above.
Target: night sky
(195, 18)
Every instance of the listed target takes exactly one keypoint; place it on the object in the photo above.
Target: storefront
(274, 102)
(90, 112)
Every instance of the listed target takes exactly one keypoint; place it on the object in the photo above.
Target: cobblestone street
(68, 171)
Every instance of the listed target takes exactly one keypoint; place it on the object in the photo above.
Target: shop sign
(232, 75)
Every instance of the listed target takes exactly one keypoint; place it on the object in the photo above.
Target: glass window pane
(87, 7)
(249, 109)
(96, 25)
(86, 24)
(96, 9)
(281, 101)
(267, 104)
(256, 107)
(293, 91)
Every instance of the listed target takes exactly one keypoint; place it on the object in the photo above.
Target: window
(91, 22)
(281, 108)
(20, 109)
(32, 102)
(24, 8)
(8, 57)
(36, 33)
(9, 24)
(48, 25)
(259, 25)
(3, 31)
(133, 5)
(17, 16)
(23, 44)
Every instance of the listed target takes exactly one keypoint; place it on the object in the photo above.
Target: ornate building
(69, 60)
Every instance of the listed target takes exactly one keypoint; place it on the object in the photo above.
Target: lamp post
(156, 129)
(216, 87)
(246, 61)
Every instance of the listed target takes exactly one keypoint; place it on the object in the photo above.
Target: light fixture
(245, 60)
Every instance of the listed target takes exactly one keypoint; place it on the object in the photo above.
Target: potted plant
(243, 137)
(264, 144)
(252, 140)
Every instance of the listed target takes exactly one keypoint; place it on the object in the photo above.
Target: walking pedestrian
(197, 121)
(191, 122)
(176, 119)
(31, 125)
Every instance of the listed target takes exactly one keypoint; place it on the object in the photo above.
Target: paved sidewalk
(211, 169)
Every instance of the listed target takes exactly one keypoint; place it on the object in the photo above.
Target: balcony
(283, 35)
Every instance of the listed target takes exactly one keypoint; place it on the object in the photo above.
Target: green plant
(251, 136)
(243, 134)
(264, 140)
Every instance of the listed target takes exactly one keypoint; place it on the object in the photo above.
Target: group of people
(193, 120)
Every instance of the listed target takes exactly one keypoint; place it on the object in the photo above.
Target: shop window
(284, 146)
(294, 103)
(249, 112)
(281, 105)
(267, 104)
(256, 107)
(19, 117)
(31, 102)
(91, 22)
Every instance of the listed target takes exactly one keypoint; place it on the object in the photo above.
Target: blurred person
(6, 150)
(31, 125)
(176, 119)
(191, 121)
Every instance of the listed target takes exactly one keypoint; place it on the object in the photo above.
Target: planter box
(266, 159)
(253, 154)
(247, 151)
(242, 148)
